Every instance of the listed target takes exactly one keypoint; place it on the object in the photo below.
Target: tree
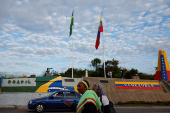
(95, 63)
(68, 73)
(112, 65)
(54, 73)
(129, 74)
(133, 71)
(62, 74)
(32, 76)
(78, 73)
(146, 76)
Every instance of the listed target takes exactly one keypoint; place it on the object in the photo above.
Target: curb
(7, 106)
(22, 107)
(16, 107)
(141, 106)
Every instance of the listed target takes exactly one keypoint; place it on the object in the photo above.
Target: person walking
(122, 73)
(101, 94)
(110, 73)
(89, 101)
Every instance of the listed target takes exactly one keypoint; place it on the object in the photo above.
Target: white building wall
(76, 81)
(20, 99)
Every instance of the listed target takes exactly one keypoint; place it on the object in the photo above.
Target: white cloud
(97, 9)
(15, 64)
(167, 12)
(18, 2)
(38, 31)
(152, 47)
(158, 8)
(166, 23)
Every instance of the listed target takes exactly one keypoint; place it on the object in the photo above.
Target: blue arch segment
(52, 89)
(56, 83)
(164, 75)
(1, 80)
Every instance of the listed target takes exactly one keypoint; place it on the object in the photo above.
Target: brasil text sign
(19, 82)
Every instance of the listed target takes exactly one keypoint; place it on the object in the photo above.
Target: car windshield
(50, 94)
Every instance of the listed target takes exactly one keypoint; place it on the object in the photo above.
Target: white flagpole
(72, 44)
(104, 57)
(103, 51)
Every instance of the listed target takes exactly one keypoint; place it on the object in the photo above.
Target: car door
(71, 97)
(57, 101)
(78, 97)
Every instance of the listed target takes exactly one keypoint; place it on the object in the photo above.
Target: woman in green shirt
(89, 102)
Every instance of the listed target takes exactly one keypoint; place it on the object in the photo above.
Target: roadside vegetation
(110, 65)
(96, 70)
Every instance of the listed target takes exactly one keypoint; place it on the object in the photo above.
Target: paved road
(118, 109)
(14, 110)
(154, 109)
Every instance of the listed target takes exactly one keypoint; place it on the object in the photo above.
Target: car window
(70, 95)
(78, 95)
(59, 95)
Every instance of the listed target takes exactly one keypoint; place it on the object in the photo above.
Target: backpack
(112, 110)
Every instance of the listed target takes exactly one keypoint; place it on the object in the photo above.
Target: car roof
(65, 91)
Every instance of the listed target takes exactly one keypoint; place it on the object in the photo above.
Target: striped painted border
(138, 85)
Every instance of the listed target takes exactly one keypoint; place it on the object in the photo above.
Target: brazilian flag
(71, 24)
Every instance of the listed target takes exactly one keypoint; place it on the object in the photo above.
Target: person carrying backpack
(107, 106)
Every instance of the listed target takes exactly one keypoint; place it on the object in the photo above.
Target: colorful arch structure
(55, 84)
(163, 69)
(1, 82)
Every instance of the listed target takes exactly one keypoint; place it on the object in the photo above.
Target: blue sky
(34, 34)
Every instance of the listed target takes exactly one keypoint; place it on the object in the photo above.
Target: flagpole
(104, 57)
(103, 53)
(72, 44)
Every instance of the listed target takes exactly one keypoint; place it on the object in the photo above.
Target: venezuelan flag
(138, 85)
(100, 29)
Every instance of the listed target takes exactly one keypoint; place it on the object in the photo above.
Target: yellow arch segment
(153, 83)
(166, 61)
(44, 87)
(162, 52)
(75, 88)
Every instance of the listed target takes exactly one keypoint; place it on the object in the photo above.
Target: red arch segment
(158, 75)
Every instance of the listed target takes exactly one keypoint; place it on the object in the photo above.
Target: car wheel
(39, 108)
